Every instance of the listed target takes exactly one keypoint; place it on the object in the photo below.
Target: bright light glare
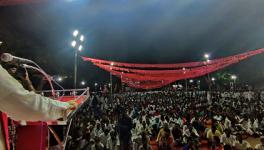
(80, 48)
(112, 64)
(206, 56)
(191, 81)
(59, 79)
(213, 79)
(73, 44)
(83, 83)
(234, 77)
(95, 84)
(75, 33)
(82, 38)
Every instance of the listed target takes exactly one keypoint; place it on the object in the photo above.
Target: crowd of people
(169, 119)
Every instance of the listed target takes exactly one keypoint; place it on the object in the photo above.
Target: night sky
(140, 31)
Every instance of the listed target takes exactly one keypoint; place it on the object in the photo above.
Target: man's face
(12, 69)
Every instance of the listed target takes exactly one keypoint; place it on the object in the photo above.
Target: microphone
(6, 57)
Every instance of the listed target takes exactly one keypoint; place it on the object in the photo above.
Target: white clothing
(20, 104)
(255, 125)
(228, 140)
(93, 147)
(242, 146)
(103, 138)
(96, 132)
(259, 147)
(113, 145)
(227, 123)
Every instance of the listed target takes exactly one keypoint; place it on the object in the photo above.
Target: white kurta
(20, 104)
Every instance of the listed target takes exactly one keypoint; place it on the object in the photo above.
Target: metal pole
(75, 69)
(66, 136)
(111, 85)
(186, 85)
(234, 84)
(209, 82)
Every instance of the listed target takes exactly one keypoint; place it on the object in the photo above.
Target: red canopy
(150, 76)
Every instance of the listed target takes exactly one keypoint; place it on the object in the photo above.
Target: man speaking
(20, 104)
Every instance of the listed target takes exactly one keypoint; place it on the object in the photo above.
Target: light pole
(186, 86)
(111, 81)
(213, 81)
(198, 84)
(77, 45)
(206, 57)
(191, 81)
(83, 83)
(59, 79)
(95, 86)
(234, 77)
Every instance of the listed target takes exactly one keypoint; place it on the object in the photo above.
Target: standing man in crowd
(124, 129)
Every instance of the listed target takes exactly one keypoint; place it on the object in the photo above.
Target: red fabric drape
(4, 121)
(177, 65)
(149, 76)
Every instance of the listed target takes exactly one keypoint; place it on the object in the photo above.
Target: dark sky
(142, 31)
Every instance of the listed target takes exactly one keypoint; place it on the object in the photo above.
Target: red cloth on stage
(4, 121)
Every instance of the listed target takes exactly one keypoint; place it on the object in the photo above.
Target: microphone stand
(44, 74)
(73, 113)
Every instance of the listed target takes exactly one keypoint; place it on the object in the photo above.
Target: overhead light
(213, 79)
(82, 38)
(80, 48)
(83, 83)
(206, 56)
(234, 77)
(75, 33)
(59, 79)
(191, 81)
(73, 44)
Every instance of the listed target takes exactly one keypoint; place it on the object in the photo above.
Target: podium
(34, 135)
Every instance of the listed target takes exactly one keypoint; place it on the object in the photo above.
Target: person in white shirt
(97, 144)
(20, 104)
(242, 144)
(227, 138)
(227, 123)
(97, 130)
(113, 141)
(256, 125)
(104, 136)
(247, 126)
